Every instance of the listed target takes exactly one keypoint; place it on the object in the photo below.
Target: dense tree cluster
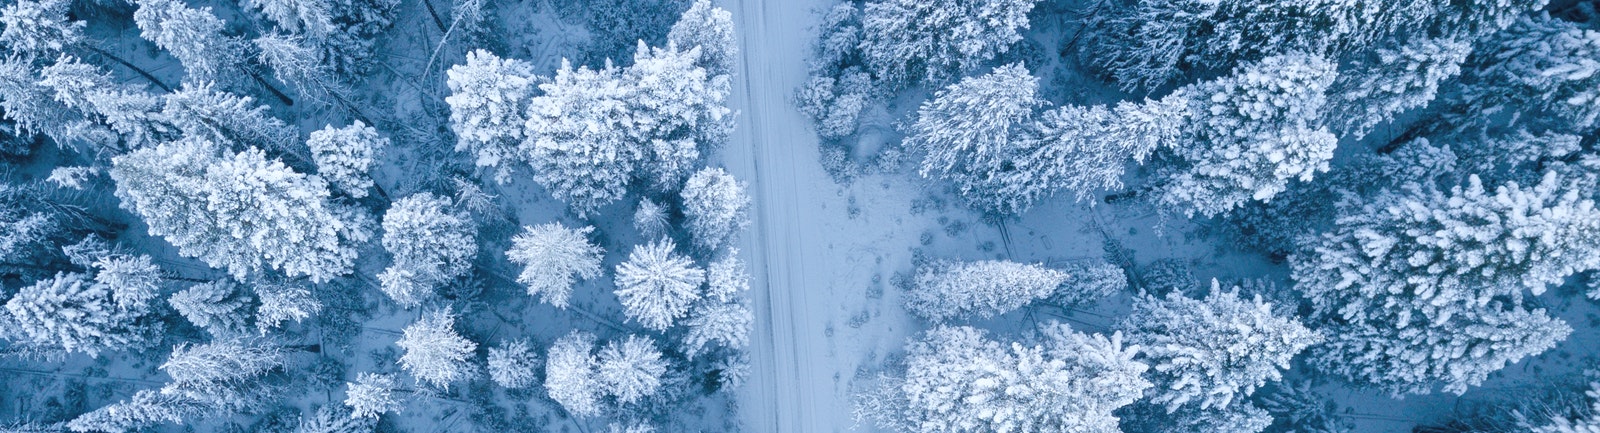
(956, 379)
(588, 134)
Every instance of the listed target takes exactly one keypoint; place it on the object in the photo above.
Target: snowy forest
(896, 216)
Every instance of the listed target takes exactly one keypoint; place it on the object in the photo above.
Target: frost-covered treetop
(1470, 244)
(553, 258)
(38, 27)
(908, 40)
(1214, 351)
(657, 285)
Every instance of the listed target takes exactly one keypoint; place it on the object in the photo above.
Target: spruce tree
(944, 291)
(219, 307)
(956, 379)
(488, 100)
(1425, 286)
(571, 375)
(513, 365)
(905, 41)
(969, 133)
(715, 208)
(37, 28)
(710, 29)
(371, 395)
(657, 285)
(431, 243)
(1213, 352)
(239, 211)
(553, 257)
(630, 369)
(434, 353)
(344, 156)
(193, 36)
(1248, 135)
(579, 137)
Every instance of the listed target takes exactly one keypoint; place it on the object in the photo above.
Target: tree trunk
(275, 92)
(136, 69)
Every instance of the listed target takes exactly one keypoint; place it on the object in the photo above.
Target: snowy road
(775, 150)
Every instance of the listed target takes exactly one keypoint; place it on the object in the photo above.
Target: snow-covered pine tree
(335, 419)
(1479, 18)
(969, 134)
(1458, 353)
(513, 365)
(431, 243)
(219, 307)
(943, 291)
(722, 317)
(679, 110)
(223, 376)
(279, 303)
(435, 353)
(371, 395)
(1144, 45)
(1415, 278)
(29, 104)
(835, 104)
(1212, 352)
(488, 100)
(356, 26)
(732, 371)
(74, 177)
(193, 36)
(134, 281)
(726, 279)
(313, 18)
(579, 137)
(147, 408)
(710, 29)
(295, 62)
(957, 380)
(657, 285)
(79, 315)
(74, 80)
(1242, 417)
(909, 40)
(1248, 135)
(1151, 42)
(1546, 69)
(715, 207)
(132, 113)
(651, 219)
(1084, 150)
(38, 28)
(571, 375)
(725, 324)
(239, 211)
(344, 156)
(630, 369)
(1519, 156)
(1392, 81)
(200, 110)
(1089, 281)
(553, 258)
